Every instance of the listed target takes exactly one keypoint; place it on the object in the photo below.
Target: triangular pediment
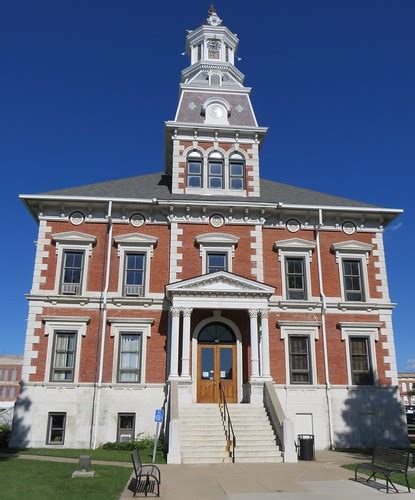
(220, 282)
(74, 237)
(135, 239)
(352, 246)
(295, 243)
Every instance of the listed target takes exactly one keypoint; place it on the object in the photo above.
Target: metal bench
(387, 462)
(150, 474)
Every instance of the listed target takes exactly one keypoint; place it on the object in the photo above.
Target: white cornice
(66, 319)
(135, 239)
(352, 246)
(146, 321)
(299, 323)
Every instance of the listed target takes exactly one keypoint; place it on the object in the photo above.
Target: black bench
(149, 473)
(387, 462)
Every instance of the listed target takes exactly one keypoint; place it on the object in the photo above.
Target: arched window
(13, 375)
(3, 393)
(215, 171)
(194, 169)
(6, 375)
(12, 393)
(1, 374)
(215, 333)
(236, 171)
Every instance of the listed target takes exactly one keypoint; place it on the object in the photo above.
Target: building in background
(407, 388)
(207, 281)
(10, 376)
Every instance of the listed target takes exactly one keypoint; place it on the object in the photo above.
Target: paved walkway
(323, 479)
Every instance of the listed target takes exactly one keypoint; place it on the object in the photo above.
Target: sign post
(158, 418)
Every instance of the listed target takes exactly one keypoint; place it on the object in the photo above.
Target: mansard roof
(157, 185)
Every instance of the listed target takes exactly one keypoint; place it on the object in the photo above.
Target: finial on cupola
(213, 19)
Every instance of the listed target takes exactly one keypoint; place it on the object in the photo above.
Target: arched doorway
(216, 363)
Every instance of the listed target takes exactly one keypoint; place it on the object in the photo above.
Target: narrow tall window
(360, 361)
(216, 262)
(215, 171)
(3, 393)
(13, 375)
(199, 52)
(72, 272)
(63, 362)
(295, 279)
(126, 427)
(134, 274)
(129, 364)
(194, 170)
(300, 363)
(353, 283)
(236, 172)
(56, 428)
(226, 53)
(6, 375)
(12, 392)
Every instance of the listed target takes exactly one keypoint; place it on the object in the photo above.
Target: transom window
(217, 262)
(353, 283)
(194, 170)
(72, 272)
(129, 364)
(215, 174)
(56, 428)
(134, 274)
(64, 351)
(216, 332)
(295, 278)
(362, 373)
(236, 171)
(300, 362)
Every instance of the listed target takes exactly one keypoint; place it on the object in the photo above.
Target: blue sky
(86, 86)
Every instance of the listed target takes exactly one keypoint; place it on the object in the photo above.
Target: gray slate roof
(192, 102)
(158, 186)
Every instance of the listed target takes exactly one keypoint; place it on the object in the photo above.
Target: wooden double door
(216, 364)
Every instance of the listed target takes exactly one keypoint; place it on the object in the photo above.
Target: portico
(218, 292)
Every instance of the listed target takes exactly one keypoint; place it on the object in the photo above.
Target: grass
(32, 479)
(396, 478)
(146, 453)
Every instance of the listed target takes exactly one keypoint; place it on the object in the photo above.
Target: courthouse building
(203, 282)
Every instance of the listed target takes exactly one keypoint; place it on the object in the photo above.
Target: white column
(253, 317)
(265, 364)
(187, 313)
(174, 345)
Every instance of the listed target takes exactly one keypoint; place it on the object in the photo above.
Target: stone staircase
(202, 437)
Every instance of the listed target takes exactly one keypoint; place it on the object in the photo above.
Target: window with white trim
(64, 355)
(129, 359)
(13, 375)
(56, 428)
(12, 392)
(134, 274)
(236, 171)
(360, 362)
(300, 359)
(405, 400)
(194, 170)
(295, 278)
(353, 280)
(217, 261)
(215, 171)
(300, 351)
(72, 269)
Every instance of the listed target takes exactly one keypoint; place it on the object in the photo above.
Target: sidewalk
(323, 479)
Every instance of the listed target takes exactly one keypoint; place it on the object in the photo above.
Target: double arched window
(221, 172)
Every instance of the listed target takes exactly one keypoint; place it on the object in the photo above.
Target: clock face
(216, 111)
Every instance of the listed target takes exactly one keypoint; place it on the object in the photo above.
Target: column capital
(264, 313)
(175, 311)
(253, 313)
(187, 312)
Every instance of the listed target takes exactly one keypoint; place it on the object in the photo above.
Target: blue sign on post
(159, 416)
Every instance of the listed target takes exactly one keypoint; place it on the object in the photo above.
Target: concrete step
(199, 441)
(205, 453)
(206, 460)
(259, 460)
(262, 453)
(212, 449)
(256, 448)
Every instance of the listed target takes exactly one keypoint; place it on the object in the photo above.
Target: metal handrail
(226, 419)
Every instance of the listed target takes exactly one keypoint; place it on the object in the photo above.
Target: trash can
(306, 447)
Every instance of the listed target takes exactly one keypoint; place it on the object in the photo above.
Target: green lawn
(98, 454)
(32, 479)
(396, 478)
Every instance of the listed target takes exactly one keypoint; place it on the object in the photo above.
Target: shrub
(140, 441)
(5, 431)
